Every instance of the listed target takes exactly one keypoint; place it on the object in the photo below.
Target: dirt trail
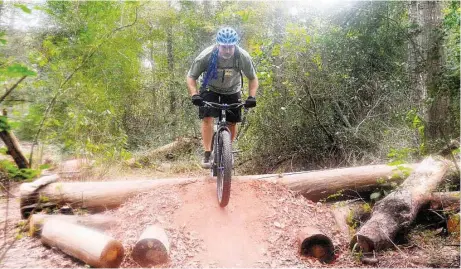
(233, 236)
(257, 229)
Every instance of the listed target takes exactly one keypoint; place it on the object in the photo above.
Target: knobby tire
(224, 168)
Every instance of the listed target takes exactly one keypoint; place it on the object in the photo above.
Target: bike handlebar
(223, 106)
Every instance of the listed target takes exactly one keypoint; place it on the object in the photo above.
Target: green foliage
(18, 174)
(24, 8)
(4, 124)
(333, 90)
(3, 150)
(44, 166)
(399, 156)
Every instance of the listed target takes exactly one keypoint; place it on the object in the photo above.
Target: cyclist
(222, 64)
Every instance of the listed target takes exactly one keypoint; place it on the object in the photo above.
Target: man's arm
(253, 85)
(191, 85)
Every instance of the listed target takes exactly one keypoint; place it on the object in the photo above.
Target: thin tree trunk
(14, 149)
(425, 61)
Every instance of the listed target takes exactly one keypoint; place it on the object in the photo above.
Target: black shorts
(232, 115)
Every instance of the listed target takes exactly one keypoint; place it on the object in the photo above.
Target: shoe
(206, 163)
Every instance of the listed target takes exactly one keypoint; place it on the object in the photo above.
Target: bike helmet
(227, 36)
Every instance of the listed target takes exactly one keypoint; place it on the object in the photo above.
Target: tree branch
(329, 135)
(11, 89)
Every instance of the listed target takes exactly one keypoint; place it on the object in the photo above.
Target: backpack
(208, 74)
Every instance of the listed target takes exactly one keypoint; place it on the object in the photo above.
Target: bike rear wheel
(224, 167)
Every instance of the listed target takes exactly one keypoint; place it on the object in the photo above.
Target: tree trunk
(314, 243)
(14, 149)
(398, 209)
(97, 221)
(425, 62)
(94, 248)
(97, 196)
(152, 247)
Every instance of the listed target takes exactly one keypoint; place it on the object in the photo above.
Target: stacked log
(97, 221)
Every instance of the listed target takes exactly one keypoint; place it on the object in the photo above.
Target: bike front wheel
(224, 168)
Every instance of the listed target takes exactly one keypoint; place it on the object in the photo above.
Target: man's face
(226, 51)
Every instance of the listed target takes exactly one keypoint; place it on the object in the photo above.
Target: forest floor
(257, 229)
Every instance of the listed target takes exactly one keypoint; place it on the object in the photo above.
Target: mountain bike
(221, 152)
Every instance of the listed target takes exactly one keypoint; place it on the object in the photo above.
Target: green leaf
(18, 70)
(23, 8)
(375, 196)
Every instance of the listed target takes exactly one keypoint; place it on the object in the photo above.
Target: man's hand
(250, 102)
(197, 100)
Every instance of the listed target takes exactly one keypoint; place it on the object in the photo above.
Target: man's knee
(207, 120)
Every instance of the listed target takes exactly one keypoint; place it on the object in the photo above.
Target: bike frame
(221, 123)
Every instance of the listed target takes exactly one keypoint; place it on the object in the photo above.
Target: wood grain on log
(94, 196)
(88, 245)
(316, 185)
(152, 247)
(97, 221)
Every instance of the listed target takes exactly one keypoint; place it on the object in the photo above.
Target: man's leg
(207, 132)
(233, 128)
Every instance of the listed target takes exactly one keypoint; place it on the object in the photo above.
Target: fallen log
(398, 209)
(74, 167)
(350, 215)
(94, 196)
(98, 196)
(317, 185)
(445, 200)
(97, 221)
(152, 247)
(92, 247)
(167, 151)
(314, 243)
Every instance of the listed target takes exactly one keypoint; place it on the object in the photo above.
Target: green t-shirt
(228, 80)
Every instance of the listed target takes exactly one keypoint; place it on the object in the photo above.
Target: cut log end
(362, 243)
(150, 251)
(152, 247)
(316, 244)
(112, 255)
